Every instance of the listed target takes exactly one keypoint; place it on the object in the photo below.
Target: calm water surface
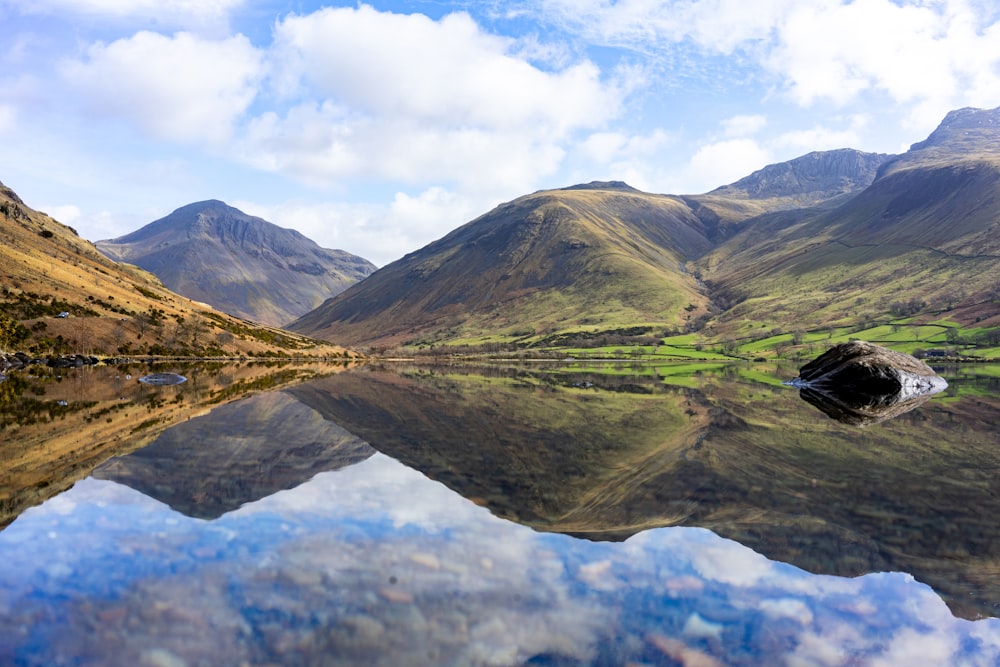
(458, 516)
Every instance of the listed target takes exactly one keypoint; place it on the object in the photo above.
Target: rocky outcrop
(20, 360)
(811, 178)
(862, 383)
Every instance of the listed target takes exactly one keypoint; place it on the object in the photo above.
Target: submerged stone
(162, 378)
(862, 383)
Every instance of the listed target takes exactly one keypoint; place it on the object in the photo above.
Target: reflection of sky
(376, 565)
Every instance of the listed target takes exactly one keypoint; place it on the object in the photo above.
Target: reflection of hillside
(918, 494)
(238, 453)
(530, 450)
(56, 426)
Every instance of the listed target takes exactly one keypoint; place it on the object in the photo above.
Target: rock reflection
(861, 383)
(862, 410)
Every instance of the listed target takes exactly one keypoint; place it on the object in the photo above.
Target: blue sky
(379, 127)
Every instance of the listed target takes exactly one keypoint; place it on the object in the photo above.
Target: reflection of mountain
(56, 429)
(238, 453)
(752, 462)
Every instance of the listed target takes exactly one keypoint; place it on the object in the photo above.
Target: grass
(642, 353)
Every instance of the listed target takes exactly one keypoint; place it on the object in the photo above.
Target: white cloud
(441, 71)
(934, 55)
(730, 563)
(910, 647)
(8, 118)
(725, 161)
(418, 101)
(609, 155)
(817, 139)
(65, 213)
(647, 25)
(163, 11)
(380, 233)
(925, 57)
(180, 88)
(611, 147)
(743, 126)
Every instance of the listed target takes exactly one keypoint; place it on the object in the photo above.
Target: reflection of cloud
(384, 566)
(372, 488)
(730, 563)
(797, 610)
(915, 649)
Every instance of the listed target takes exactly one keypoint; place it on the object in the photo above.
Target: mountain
(923, 239)
(58, 294)
(601, 255)
(241, 264)
(596, 257)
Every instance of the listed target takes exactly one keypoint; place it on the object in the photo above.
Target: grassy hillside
(827, 240)
(922, 242)
(46, 270)
(581, 259)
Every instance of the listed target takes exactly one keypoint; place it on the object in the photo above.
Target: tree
(142, 322)
(12, 332)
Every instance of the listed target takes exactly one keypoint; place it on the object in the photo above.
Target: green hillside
(596, 257)
(922, 241)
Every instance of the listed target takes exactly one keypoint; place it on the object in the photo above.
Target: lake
(680, 515)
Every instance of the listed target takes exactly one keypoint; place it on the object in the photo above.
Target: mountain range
(828, 239)
(241, 264)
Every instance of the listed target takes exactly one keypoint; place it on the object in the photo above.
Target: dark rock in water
(862, 383)
(162, 378)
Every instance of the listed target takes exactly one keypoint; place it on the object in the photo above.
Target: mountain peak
(967, 129)
(811, 178)
(244, 265)
(621, 186)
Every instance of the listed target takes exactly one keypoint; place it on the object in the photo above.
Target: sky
(377, 127)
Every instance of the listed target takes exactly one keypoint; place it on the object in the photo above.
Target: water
(691, 516)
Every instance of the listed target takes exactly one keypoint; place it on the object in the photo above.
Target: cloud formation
(938, 54)
(180, 88)
(408, 98)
